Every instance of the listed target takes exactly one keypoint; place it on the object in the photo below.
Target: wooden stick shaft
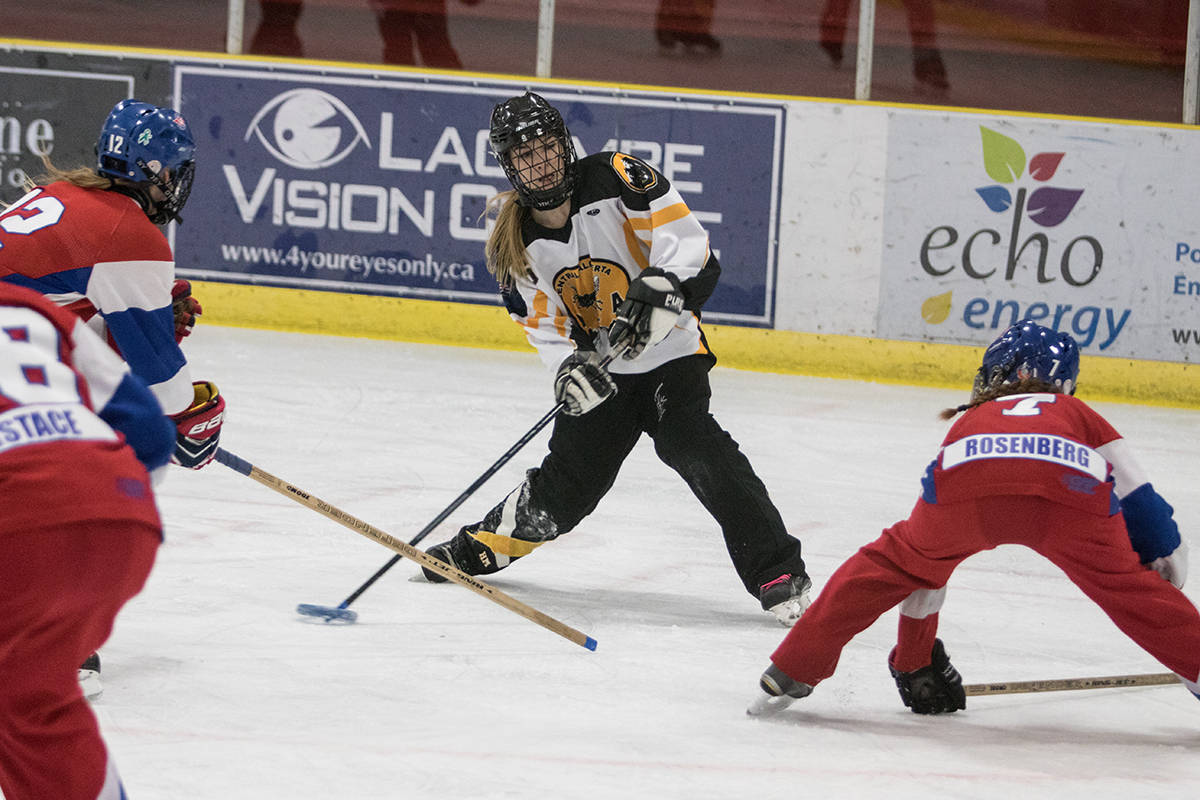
(1070, 684)
(404, 549)
(546, 419)
(458, 501)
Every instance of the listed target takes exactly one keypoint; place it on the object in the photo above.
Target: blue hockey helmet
(1029, 350)
(543, 177)
(147, 146)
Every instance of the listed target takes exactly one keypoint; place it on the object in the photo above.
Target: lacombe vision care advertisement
(377, 184)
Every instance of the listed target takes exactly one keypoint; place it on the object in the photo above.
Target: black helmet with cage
(543, 176)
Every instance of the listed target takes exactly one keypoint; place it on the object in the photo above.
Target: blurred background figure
(276, 33)
(688, 25)
(402, 24)
(928, 68)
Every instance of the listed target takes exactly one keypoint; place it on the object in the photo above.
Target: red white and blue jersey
(1051, 445)
(72, 416)
(96, 253)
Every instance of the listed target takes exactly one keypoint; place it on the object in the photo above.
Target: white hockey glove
(649, 312)
(582, 383)
(1173, 567)
(1153, 532)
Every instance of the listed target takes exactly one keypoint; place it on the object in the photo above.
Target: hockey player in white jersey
(601, 257)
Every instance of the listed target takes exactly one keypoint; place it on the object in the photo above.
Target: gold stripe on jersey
(661, 217)
(541, 311)
(669, 214)
(638, 249)
(638, 230)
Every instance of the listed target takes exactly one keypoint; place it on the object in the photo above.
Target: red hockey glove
(185, 308)
(199, 427)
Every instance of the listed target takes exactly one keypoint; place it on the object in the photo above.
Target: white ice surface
(216, 688)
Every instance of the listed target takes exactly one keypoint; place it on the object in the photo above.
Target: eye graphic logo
(1004, 160)
(307, 129)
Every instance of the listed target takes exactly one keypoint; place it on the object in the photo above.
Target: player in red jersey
(88, 240)
(75, 544)
(1027, 464)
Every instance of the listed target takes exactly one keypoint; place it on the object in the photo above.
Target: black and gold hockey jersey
(625, 216)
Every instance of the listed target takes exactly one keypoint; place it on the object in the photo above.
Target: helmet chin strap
(141, 193)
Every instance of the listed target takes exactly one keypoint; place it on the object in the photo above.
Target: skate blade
(766, 705)
(789, 612)
(89, 682)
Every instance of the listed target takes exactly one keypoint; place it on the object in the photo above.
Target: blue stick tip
(327, 613)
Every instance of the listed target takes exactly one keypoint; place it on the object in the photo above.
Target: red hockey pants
(60, 589)
(922, 551)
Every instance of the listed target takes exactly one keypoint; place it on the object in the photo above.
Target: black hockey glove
(582, 383)
(650, 310)
(933, 689)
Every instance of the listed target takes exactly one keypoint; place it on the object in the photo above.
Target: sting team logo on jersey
(635, 172)
(592, 290)
(307, 129)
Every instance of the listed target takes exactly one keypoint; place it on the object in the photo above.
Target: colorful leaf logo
(936, 309)
(1004, 161)
(1043, 166)
(1049, 206)
(997, 197)
(1003, 158)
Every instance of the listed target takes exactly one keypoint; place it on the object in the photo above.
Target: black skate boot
(464, 552)
(89, 677)
(786, 597)
(778, 692)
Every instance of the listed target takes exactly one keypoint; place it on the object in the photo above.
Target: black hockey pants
(669, 403)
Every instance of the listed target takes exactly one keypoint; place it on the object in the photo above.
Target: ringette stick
(1069, 684)
(342, 611)
(403, 549)
(325, 611)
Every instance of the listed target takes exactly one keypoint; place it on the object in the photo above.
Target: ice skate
(89, 677)
(464, 552)
(778, 692)
(786, 597)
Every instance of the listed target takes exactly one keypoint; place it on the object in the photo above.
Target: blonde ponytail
(505, 248)
(83, 177)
